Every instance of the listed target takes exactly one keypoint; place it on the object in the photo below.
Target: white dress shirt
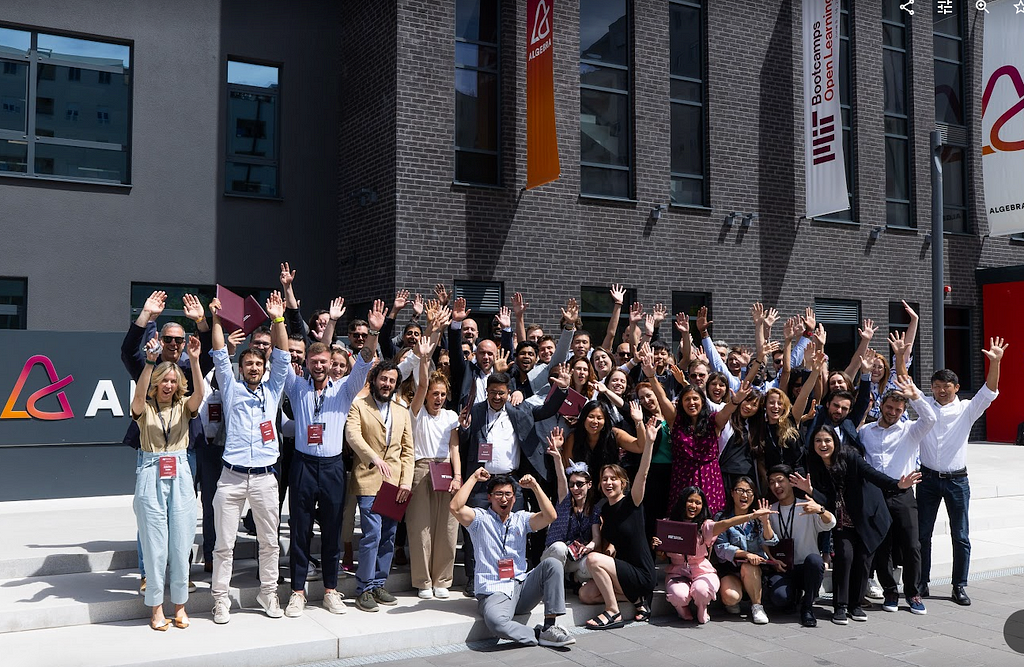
(894, 450)
(504, 450)
(944, 449)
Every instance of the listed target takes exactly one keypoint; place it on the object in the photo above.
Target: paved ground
(947, 635)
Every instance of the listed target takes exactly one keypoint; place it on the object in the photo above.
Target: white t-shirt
(431, 435)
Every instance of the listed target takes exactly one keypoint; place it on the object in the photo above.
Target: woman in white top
(431, 527)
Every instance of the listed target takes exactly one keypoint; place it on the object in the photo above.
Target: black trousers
(316, 482)
(479, 499)
(659, 481)
(904, 536)
(785, 588)
(208, 467)
(849, 568)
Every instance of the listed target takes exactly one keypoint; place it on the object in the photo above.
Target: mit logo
(822, 137)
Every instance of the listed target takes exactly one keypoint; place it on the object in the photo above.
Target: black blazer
(863, 494)
(465, 371)
(523, 418)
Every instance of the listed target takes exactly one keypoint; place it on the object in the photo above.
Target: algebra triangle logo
(57, 385)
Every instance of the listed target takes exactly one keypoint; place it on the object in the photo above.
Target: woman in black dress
(625, 568)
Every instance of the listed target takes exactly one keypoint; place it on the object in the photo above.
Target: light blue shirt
(245, 410)
(746, 537)
(494, 540)
(329, 407)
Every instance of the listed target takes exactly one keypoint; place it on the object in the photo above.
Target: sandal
(181, 622)
(606, 621)
(643, 612)
(160, 628)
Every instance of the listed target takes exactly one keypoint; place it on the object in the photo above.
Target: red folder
(441, 475)
(386, 502)
(573, 404)
(238, 313)
(678, 537)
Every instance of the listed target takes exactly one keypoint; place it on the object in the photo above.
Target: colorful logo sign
(31, 411)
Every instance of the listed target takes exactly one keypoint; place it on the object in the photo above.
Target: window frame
(20, 311)
(705, 187)
(692, 317)
(966, 379)
(601, 318)
(251, 160)
(456, 149)
(905, 118)
(33, 60)
(950, 138)
(899, 320)
(821, 306)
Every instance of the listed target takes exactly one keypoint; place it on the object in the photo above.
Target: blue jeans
(138, 538)
(956, 492)
(376, 546)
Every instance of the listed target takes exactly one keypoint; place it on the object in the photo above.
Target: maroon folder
(238, 313)
(573, 403)
(386, 502)
(441, 475)
(678, 537)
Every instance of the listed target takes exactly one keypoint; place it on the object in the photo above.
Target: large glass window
(51, 87)
(605, 110)
(899, 321)
(686, 46)
(251, 167)
(484, 299)
(895, 41)
(476, 92)
(689, 303)
(958, 345)
(951, 113)
(841, 319)
(596, 306)
(13, 298)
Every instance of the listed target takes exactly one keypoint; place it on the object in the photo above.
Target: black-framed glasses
(173, 340)
(743, 492)
(503, 494)
(260, 343)
(578, 484)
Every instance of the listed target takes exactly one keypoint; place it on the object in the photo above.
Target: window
(40, 134)
(251, 166)
(895, 36)
(689, 303)
(958, 348)
(596, 310)
(845, 105)
(103, 115)
(477, 35)
(104, 78)
(13, 295)
(951, 115)
(899, 320)
(841, 319)
(605, 150)
(686, 45)
(484, 299)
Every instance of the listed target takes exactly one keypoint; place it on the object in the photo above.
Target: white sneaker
(221, 615)
(555, 635)
(441, 593)
(296, 605)
(333, 603)
(426, 594)
(757, 611)
(270, 604)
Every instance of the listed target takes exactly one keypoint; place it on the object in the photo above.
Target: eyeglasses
(259, 343)
(356, 334)
(173, 340)
(503, 494)
(578, 485)
(743, 492)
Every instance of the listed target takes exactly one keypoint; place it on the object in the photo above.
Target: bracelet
(372, 332)
(277, 320)
(821, 510)
(201, 318)
(151, 363)
(736, 404)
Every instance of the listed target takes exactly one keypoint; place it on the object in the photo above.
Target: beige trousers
(233, 489)
(432, 532)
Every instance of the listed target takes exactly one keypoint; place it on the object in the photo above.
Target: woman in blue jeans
(165, 501)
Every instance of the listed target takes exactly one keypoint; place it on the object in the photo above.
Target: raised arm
(911, 328)
(556, 440)
(866, 333)
(668, 411)
(142, 384)
(647, 436)
(336, 310)
(996, 347)
(457, 506)
(618, 293)
(519, 306)
(424, 349)
(682, 325)
(375, 318)
(195, 401)
(800, 404)
(738, 396)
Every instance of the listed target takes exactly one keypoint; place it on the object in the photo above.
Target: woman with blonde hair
(775, 437)
(165, 500)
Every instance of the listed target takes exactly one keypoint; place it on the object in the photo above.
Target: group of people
(554, 458)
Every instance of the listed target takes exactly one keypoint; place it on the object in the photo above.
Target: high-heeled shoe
(181, 622)
(160, 628)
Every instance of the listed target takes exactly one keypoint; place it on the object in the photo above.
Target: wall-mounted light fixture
(729, 219)
(748, 219)
(875, 233)
(657, 211)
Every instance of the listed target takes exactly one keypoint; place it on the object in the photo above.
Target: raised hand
(808, 319)
(757, 313)
(459, 310)
(867, 361)
(771, 347)
(683, 323)
(519, 305)
(910, 311)
(820, 335)
(910, 480)
(648, 325)
(287, 275)
(417, 305)
(996, 347)
(771, 316)
(562, 375)
(809, 507)
(789, 329)
(810, 414)
(867, 332)
(155, 303)
(745, 355)
(651, 429)
(501, 361)
(153, 349)
(528, 482)
(618, 293)
(504, 317)
(235, 338)
(425, 348)
(764, 509)
(907, 388)
(431, 307)
(193, 349)
(801, 482)
(636, 413)
(275, 305)
(636, 312)
(898, 342)
(571, 312)
(702, 321)
(337, 308)
(401, 298)
(660, 313)
(646, 357)
(819, 360)
(441, 292)
(375, 318)
(442, 318)
(741, 394)
(677, 373)
(215, 306)
(193, 307)
(555, 441)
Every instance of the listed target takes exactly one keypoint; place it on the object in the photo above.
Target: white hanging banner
(825, 166)
(1002, 123)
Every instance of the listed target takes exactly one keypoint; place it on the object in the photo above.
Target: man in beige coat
(380, 433)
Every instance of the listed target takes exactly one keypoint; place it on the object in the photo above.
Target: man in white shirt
(891, 446)
(944, 466)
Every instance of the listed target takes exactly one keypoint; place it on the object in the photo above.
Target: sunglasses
(173, 340)
(356, 334)
(578, 485)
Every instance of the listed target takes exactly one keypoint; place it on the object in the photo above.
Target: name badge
(214, 410)
(168, 467)
(506, 570)
(267, 431)
(315, 434)
(484, 452)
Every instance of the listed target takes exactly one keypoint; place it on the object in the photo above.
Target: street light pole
(938, 284)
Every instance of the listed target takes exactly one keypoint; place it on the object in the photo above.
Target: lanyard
(318, 403)
(261, 398)
(490, 427)
(503, 539)
(787, 531)
(164, 428)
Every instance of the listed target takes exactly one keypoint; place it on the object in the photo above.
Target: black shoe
(807, 619)
(857, 614)
(839, 616)
(469, 591)
(923, 591)
(960, 596)
(382, 596)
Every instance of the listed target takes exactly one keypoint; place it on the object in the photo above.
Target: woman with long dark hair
(852, 491)
(595, 441)
(736, 446)
(740, 549)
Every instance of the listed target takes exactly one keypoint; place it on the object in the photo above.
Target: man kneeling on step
(503, 586)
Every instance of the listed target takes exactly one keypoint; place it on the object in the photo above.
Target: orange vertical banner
(542, 164)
